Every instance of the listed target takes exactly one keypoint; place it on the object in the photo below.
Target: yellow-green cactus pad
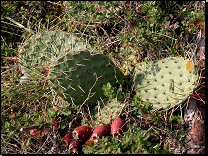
(164, 83)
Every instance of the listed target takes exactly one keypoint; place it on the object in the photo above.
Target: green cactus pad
(164, 83)
(39, 51)
(103, 113)
(73, 75)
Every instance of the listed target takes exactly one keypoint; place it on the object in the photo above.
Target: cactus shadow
(155, 69)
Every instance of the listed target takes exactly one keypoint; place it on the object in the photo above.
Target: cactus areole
(76, 72)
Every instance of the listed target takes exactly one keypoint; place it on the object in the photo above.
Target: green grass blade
(19, 25)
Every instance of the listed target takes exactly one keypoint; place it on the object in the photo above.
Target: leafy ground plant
(119, 29)
(133, 142)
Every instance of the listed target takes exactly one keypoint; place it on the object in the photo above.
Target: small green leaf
(50, 111)
(47, 125)
(66, 112)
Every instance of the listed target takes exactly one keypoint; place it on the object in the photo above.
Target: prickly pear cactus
(39, 51)
(73, 75)
(104, 112)
(75, 71)
(164, 83)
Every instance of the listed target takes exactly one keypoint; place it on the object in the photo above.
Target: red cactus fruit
(98, 132)
(66, 139)
(81, 132)
(54, 119)
(74, 145)
(54, 126)
(117, 127)
(37, 133)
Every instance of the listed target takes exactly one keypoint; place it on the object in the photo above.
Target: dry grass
(34, 98)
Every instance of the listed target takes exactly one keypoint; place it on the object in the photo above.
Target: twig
(29, 128)
(88, 97)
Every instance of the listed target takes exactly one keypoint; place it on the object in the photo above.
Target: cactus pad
(39, 51)
(103, 113)
(164, 83)
(72, 76)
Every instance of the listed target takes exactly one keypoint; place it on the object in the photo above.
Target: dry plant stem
(54, 147)
(106, 109)
(12, 147)
(89, 94)
(88, 111)
(25, 146)
(189, 105)
(43, 145)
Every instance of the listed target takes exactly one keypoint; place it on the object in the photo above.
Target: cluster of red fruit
(85, 133)
(74, 139)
